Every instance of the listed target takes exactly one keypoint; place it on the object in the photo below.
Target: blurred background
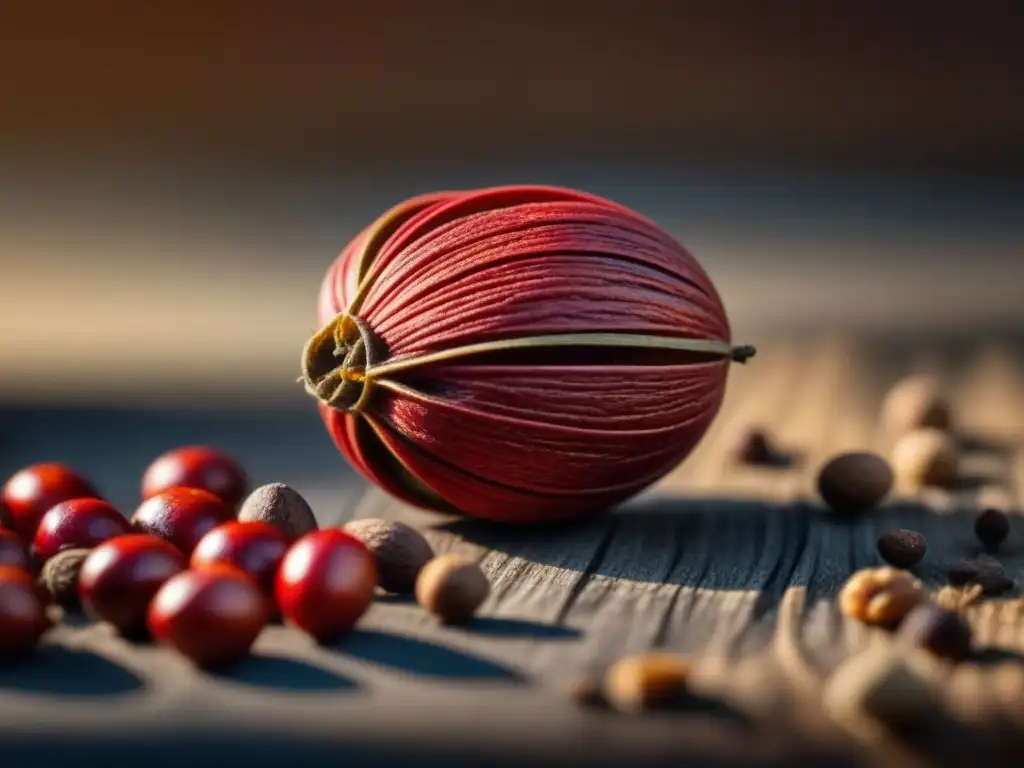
(175, 178)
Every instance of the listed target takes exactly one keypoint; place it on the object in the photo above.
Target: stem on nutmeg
(334, 362)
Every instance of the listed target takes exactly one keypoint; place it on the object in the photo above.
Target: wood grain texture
(737, 567)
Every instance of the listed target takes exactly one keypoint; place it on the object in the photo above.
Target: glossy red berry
(78, 524)
(23, 618)
(211, 616)
(119, 578)
(326, 583)
(255, 548)
(182, 516)
(31, 492)
(14, 553)
(196, 467)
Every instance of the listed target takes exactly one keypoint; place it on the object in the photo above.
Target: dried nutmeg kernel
(508, 352)
(992, 527)
(652, 680)
(925, 457)
(880, 596)
(60, 578)
(916, 401)
(400, 550)
(901, 547)
(987, 574)
(452, 588)
(943, 633)
(854, 482)
(281, 506)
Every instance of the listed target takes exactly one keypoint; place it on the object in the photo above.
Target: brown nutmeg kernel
(901, 547)
(452, 588)
(854, 482)
(400, 551)
(652, 680)
(280, 506)
(880, 596)
(925, 457)
(59, 578)
(915, 402)
(992, 527)
(942, 633)
(987, 574)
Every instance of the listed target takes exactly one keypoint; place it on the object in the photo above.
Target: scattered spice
(925, 457)
(943, 633)
(880, 596)
(992, 527)
(60, 578)
(755, 447)
(854, 482)
(400, 550)
(452, 588)
(881, 686)
(280, 506)
(652, 680)
(986, 573)
(902, 547)
(915, 402)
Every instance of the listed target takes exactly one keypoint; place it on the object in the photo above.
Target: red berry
(78, 524)
(255, 548)
(119, 578)
(31, 492)
(212, 616)
(23, 617)
(182, 516)
(13, 552)
(6, 519)
(325, 583)
(196, 467)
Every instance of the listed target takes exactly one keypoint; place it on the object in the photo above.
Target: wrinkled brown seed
(280, 506)
(452, 588)
(400, 551)
(60, 578)
(902, 547)
(987, 574)
(854, 482)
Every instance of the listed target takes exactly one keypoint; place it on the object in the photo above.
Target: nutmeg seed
(652, 680)
(280, 506)
(902, 548)
(452, 588)
(400, 551)
(854, 482)
(60, 578)
(915, 402)
(925, 457)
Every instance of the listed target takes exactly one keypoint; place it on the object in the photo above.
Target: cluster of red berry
(183, 569)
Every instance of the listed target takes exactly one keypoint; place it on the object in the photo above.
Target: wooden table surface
(735, 567)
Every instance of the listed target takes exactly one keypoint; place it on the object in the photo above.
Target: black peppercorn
(992, 527)
(987, 574)
(901, 547)
(851, 483)
(943, 633)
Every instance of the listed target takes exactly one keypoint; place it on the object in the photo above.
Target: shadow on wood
(278, 672)
(519, 628)
(420, 657)
(60, 671)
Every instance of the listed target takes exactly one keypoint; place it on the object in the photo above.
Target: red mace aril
(211, 616)
(182, 516)
(78, 524)
(120, 577)
(32, 491)
(13, 552)
(522, 354)
(254, 548)
(196, 467)
(326, 583)
(23, 617)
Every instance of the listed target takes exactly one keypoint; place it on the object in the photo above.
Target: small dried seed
(992, 527)
(60, 578)
(988, 574)
(452, 588)
(854, 482)
(280, 506)
(943, 633)
(400, 551)
(880, 596)
(652, 680)
(902, 548)
(925, 457)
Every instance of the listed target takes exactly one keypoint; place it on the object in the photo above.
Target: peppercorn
(986, 573)
(880, 596)
(854, 482)
(992, 527)
(60, 578)
(943, 633)
(400, 551)
(280, 506)
(452, 588)
(901, 547)
(652, 680)
(925, 457)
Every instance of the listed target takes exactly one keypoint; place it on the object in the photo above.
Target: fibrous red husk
(521, 354)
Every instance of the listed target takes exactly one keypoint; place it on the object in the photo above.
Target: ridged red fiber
(535, 434)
